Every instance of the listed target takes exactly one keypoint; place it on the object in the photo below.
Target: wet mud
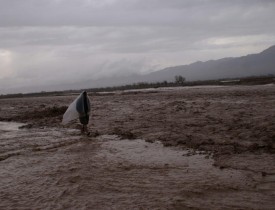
(180, 148)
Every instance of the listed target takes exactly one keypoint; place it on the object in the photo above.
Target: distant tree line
(42, 93)
(179, 81)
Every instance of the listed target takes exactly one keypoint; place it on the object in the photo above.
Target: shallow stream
(60, 169)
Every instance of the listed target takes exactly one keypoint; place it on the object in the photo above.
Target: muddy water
(50, 168)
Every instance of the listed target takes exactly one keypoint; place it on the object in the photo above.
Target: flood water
(50, 168)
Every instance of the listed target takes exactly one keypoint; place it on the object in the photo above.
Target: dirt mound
(45, 112)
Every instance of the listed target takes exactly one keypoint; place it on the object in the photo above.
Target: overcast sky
(45, 42)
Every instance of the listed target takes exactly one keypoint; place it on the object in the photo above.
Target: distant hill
(251, 65)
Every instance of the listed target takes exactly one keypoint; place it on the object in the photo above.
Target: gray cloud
(131, 12)
(57, 41)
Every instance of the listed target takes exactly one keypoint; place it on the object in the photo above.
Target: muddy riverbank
(48, 165)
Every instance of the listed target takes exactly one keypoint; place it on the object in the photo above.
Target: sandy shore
(229, 133)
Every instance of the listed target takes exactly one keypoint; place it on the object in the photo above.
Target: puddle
(140, 152)
(10, 126)
(15, 141)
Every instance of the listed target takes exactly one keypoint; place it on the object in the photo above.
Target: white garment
(72, 113)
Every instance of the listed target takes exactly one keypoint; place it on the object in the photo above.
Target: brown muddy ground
(47, 165)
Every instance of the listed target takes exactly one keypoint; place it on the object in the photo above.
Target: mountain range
(259, 64)
(250, 65)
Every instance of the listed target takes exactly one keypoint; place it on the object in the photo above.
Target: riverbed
(142, 153)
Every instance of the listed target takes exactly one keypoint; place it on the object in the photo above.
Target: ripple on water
(10, 126)
(57, 168)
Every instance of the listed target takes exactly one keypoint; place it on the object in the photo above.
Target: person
(83, 108)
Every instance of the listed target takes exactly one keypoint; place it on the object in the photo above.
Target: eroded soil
(56, 167)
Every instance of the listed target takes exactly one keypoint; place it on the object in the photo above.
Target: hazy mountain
(250, 65)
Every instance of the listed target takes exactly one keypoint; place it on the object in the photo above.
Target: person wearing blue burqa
(80, 108)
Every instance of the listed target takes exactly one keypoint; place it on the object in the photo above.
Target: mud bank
(233, 124)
